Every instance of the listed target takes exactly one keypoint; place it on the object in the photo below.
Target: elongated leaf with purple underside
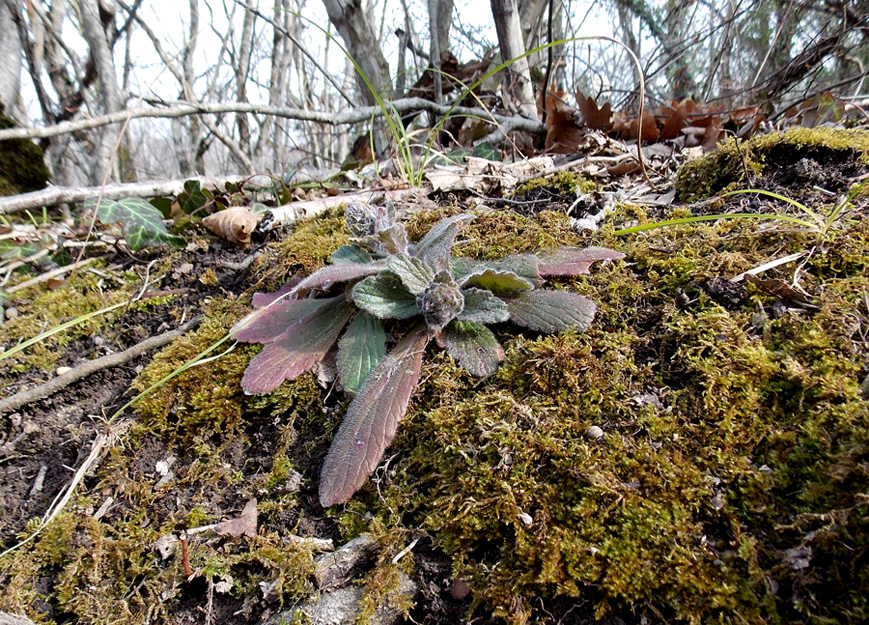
(572, 261)
(261, 300)
(303, 345)
(551, 311)
(482, 307)
(474, 347)
(360, 349)
(267, 324)
(337, 273)
(371, 420)
(385, 297)
(435, 247)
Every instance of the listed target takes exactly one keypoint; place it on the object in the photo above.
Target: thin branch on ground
(112, 360)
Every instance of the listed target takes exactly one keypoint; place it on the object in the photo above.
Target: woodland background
(248, 86)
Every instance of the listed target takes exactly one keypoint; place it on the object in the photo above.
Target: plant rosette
(379, 275)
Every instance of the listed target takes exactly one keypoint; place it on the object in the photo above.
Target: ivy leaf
(162, 204)
(414, 274)
(193, 197)
(351, 254)
(483, 307)
(385, 297)
(434, 248)
(141, 223)
(487, 151)
(497, 281)
(360, 349)
(474, 347)
(551, 311)
(337, 273)
(267, 324)
(372, 419)
(299, 348)
(571, 261)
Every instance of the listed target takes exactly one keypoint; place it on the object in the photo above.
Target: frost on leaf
(440, 302)
(371, 420)
(267, 324)
(483, 307)
(551, 311)
(385, 297)
(571, 261)
(474, 347)
(360, 349)
(299, 348)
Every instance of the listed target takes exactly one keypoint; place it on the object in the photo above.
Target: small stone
(11, 312)
(63, 370)
(594, 433)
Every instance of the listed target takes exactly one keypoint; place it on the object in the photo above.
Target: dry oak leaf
(244, 524)
(234, 224)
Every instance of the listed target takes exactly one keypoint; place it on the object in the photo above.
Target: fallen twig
(112, 360)
(48, 275)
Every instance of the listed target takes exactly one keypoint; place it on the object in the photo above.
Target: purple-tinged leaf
(267, 324)
(385, 297)
(551, 311)
(337, 273)
(371, 420)
(497, 281)
(414, 274)
(441, 301)
(360, 349)
(394, 239)
(572, 261)
(302, 346)
(351, 254)
(482, 307)
(474, 347)
(261, 300)
(435, 247)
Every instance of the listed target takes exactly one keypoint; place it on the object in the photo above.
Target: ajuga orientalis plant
(380, 276)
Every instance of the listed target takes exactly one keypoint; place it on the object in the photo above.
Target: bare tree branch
(362, 114)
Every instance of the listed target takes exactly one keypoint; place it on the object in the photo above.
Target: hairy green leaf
(360, 349)
(141, 223)
(394, 239)
(385, 297)
(474, 347)
(372, 419)
(572, 261)
(414, 274)
(367, 219)
(551, 311)
(524, 266)
(483, 307)
(351, 254)
(434, 248)
(299, 348)
(497, 281)
(267, 324)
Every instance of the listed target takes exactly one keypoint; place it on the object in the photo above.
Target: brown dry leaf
(677, 118)
(596, 118)
(56, 283)
(778, 288)
(245, 524)
(649, 129)
(564, 133)
(233, 224)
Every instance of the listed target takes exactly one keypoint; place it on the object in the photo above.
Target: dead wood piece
(337, 568)
(112, 360)
(291, 213)
(11, 619)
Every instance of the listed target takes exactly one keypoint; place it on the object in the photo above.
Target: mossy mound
(728, 485)
(22, 163)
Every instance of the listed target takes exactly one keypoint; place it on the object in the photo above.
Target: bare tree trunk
(110, 92)
(357, 32)
(506, 16)
(10, 59)
(242, 71)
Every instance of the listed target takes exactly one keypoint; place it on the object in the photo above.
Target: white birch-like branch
(184, 109)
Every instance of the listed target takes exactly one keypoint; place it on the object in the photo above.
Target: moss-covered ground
(730, 483)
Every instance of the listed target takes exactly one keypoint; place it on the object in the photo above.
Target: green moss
(563, 182)
(726, 168)
(22, 163)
